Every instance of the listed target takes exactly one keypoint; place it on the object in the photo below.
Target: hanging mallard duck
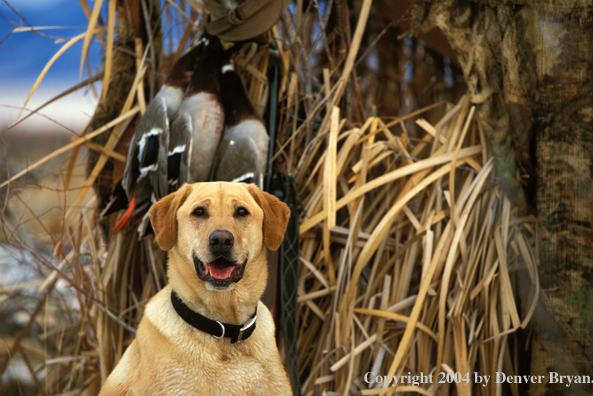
(243, 152)
(202, 103)
(200, 126)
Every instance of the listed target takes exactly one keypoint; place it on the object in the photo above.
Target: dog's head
(217, 234)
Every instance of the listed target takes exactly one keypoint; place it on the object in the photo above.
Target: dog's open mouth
(220, 273)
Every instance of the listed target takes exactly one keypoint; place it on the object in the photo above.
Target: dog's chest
(216, 374)
(177, 359)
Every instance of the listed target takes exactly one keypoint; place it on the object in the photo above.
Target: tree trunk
(529, 69)
(564, 151)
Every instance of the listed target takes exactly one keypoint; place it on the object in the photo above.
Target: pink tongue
(218, 272)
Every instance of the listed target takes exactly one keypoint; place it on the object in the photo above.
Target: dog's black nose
(220, 241)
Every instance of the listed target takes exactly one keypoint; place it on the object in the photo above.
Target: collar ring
(223, 329)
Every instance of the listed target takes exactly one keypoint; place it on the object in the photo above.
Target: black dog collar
(236, 333)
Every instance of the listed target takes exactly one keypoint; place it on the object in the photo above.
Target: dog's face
(218, 230)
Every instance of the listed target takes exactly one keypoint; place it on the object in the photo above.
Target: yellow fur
(170, 357)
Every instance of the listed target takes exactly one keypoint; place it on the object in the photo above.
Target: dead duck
(178, 135)
(198, 125)
(147, 155)
(243, 152)
(202, 103)
(145, 177)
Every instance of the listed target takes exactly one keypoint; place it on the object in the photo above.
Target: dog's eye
(199, 212)
(242, 212)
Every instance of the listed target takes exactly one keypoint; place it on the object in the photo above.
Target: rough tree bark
(529, 69)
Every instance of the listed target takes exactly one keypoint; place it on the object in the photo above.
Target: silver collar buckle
(247, 325)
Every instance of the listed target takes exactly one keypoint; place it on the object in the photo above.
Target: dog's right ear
(163, 216)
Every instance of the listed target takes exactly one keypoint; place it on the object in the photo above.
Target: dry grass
(409, 252)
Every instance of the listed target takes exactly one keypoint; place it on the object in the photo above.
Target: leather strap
(234, 17)
(236, 333)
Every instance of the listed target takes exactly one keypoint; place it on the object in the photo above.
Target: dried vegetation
(410, 255)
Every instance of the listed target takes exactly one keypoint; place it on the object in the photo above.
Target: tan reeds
(421, 279)
(409, 252)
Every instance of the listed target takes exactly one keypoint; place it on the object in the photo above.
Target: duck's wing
(180, 148)
(153, 148)
(239, 161)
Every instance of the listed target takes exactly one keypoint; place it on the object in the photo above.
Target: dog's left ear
(163, 216)
(276, 215)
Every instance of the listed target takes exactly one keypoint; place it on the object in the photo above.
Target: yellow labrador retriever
(207, 332)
